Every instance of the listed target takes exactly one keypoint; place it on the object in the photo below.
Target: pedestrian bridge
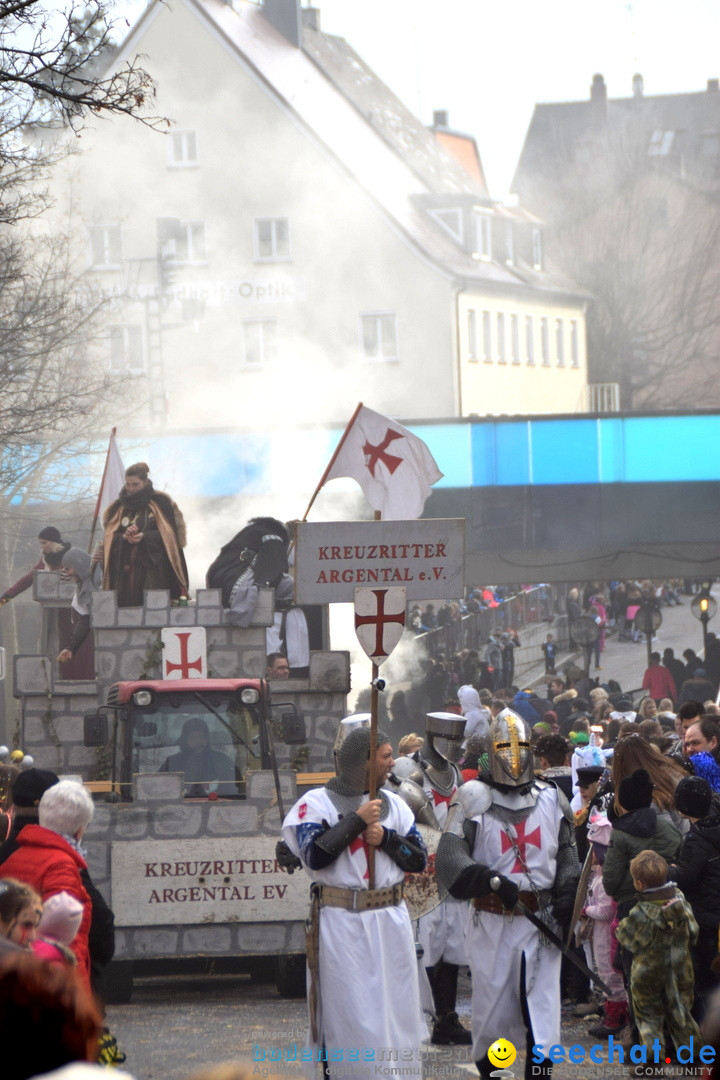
(559, 498)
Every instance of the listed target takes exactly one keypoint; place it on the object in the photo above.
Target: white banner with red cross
(380, 620)
(184, 652)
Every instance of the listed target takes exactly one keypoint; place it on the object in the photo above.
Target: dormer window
(483, 237)
(660, 143)
(451, 221)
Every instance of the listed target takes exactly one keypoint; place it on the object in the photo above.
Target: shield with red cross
(380, 620)
(184, 652)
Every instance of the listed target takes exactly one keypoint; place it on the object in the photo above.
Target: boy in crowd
(659, 932)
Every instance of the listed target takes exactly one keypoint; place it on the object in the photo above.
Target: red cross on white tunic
(358, 843)
(521, 841)
(438, 798)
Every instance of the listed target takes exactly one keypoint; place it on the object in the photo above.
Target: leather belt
(359, 899)
(492, 902)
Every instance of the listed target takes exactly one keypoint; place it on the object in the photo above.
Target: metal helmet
(510, 753)
(446, 731)
(355, 720)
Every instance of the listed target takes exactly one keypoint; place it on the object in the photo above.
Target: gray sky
(488, 63)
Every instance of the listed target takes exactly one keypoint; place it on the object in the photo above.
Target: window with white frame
(560, 342)
(509, 243)
(544, 341)
(378, 330)
(105, 250)
(515, 339)
(126, 349)
(190, 242)
(487, 336)
(272, 239)
(660, 143)
(530, 339)
(574, 344)
(182, 148)
(483, 236)
(537, 249)
(500, 328)
(472, 334)
(259, 341)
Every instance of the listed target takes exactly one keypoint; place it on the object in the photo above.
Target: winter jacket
(51, 865)
(632, 833)
(698, 868)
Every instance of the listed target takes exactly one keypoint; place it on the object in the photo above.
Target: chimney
(311, 18)
(637, 86)
(713, 85)
(598, 100)
(440, 118)
(285, 16)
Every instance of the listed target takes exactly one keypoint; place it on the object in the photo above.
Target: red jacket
(47, 862)
(659, 683)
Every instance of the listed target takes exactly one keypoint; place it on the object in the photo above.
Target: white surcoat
(369, 1004)
(497, 944)
(442, 931)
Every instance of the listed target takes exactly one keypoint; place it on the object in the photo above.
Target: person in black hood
(206, 770)
(697, 875)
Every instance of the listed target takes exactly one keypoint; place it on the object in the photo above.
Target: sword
(564, 949)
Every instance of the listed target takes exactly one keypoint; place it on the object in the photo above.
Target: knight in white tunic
(510, 837)
(428, 780)
(363, 985)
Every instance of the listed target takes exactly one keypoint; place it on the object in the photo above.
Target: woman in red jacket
(49, 856)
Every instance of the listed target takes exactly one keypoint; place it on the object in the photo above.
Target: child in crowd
(601, 910)
(549, 651)
(60, 922)
(659, 932)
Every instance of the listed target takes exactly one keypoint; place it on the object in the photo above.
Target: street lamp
(648, 620)
(703, 608)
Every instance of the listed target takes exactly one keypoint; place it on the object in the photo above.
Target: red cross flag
(380, 620)
(394, 468)
(184, 652)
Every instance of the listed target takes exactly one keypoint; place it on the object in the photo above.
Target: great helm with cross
(510, 753)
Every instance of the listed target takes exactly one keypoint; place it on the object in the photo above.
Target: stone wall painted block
(182, 616)
(261, 786)
(208, 598)
(130, 616)
(131, 824)
(48, 586)
(236, 819)
(156, 599)
(155, 942)
(32, 675)
(179, 820)
(206, 939)
(151, 787)
(259, 938)
(104, 608)
(330, 672)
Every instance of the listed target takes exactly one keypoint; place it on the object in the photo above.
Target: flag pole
(102, 485)
(372, 787)
(338, 448)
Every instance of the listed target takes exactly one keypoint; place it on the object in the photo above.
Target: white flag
(394, 468)
(113, 478)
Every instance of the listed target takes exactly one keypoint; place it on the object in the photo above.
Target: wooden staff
(372, 788)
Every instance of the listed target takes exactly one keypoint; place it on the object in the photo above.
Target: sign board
(333, 557)
(380, 620)
(161, 883)
(184, 652)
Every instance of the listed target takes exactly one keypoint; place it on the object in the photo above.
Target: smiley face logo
(502, 1053)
